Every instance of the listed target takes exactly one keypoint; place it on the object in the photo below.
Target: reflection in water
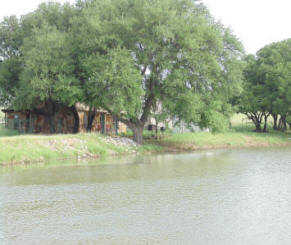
(215, 197)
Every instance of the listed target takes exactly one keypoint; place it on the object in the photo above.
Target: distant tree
(252, 102)
(267, 86)
(274, 70)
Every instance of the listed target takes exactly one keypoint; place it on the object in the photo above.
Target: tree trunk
(157, 137)
(280, 124)
(91, 117)
(258, 127)
(76, 119)
(256, 119)
(137, 128)
(137, 134)
(265, 123)
(275, 117)
(283, 123)
(51, 120)
(51, 109)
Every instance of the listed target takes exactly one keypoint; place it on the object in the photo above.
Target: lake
(209, 197)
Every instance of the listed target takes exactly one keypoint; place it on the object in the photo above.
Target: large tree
(47, 76)
(128, 57)
(38, 66)
(136, 54)
(11, 39)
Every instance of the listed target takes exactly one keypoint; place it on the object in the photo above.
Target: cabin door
(102, 121)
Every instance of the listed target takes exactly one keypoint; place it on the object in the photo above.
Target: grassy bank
(39, 148)
(239, 137)
(35, 148)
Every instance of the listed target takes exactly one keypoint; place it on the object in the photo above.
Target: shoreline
(30, 149)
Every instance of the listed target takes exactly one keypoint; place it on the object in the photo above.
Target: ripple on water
(217, 197)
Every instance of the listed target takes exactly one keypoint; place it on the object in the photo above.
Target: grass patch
(4, 132)
(38, 148)
(16, 148)
(237, 137)
(149, 147)
(146, 134)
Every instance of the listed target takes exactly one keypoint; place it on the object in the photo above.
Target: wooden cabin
(32, 122)
(103, 121)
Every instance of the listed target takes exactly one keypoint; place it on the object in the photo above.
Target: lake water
(212, 197)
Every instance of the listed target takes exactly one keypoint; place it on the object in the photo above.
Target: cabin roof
(79, 106)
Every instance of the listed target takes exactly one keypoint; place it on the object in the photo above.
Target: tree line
(267, 87)
(131, 57)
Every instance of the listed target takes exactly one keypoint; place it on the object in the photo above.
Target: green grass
(241, 134)
(35, 148)
(151, 148)
(203, 140)
(146, 134)
(4, 132)
(16, 148)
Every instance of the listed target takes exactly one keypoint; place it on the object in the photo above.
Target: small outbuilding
(34, 122)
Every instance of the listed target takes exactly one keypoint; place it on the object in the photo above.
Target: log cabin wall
(28, 122)
(103, 123)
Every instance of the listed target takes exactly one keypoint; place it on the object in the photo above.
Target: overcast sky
(255, 22)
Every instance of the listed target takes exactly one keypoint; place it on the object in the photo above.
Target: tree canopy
(125, 56)
(172, 52)
(267, 86)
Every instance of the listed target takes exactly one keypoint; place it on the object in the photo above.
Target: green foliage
(267, 82)
(184, 59)
(37, 62)
(274, 72)
(128, 57)
(216, 121)
(114, 85)
(48, 72)
(7, 132)
(10, 70)
(11, 37)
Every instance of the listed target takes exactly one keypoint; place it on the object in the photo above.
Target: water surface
(214, 197)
